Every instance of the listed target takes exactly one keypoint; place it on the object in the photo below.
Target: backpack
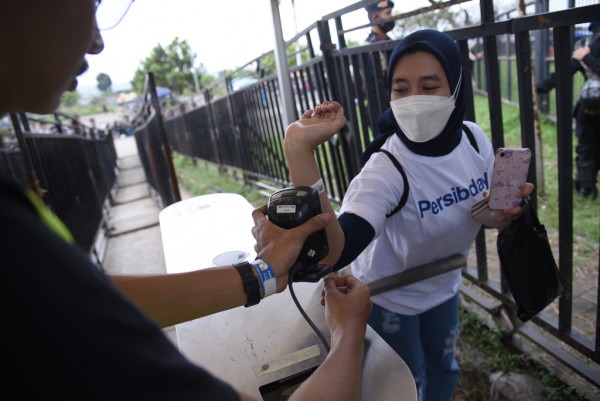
(401, 170)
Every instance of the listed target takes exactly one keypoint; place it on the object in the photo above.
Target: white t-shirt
(435, 222)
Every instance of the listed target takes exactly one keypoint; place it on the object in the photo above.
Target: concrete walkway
(134, 244)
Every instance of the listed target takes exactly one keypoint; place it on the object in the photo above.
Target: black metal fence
(73, 173)
(244, 129)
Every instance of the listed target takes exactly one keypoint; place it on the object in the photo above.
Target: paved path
(134, 245)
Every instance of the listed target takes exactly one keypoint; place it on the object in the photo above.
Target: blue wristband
(266, 277)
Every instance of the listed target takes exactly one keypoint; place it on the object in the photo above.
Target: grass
(202, 178)
(489, 341)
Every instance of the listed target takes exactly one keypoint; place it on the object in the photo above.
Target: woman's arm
(301, 139)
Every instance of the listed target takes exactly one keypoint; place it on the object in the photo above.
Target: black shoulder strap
(404, 198)
(401, 170)
(471, 137)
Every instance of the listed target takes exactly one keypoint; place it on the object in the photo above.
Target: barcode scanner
(291, 207)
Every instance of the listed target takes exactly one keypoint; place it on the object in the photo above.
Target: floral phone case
(509, 177)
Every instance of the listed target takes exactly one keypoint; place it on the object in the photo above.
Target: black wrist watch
(250, 283)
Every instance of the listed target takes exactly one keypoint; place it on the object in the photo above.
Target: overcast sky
(223, 34)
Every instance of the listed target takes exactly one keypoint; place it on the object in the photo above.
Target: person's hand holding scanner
(280, 246)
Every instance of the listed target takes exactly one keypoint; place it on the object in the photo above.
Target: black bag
(528, 264)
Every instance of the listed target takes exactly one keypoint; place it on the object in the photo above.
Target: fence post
(30, 173)
(173, 195)
(332, 86)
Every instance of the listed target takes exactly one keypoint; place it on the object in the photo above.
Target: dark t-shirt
(69, 334)
(374, 38)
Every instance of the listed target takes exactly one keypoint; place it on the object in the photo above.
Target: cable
(291, 274)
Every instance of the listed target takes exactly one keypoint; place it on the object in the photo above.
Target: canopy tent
(127, 97)
(161, 92)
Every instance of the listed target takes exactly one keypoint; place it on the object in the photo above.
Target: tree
(441, 18)
(104, 83)
(70, 99)
(172, 67)
(268, 62)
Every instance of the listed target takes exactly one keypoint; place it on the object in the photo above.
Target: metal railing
(73, 169)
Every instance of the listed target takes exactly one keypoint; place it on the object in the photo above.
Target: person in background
(423, 130)
(378, 12)
(586, 60)
(475, 55)
(70, 332)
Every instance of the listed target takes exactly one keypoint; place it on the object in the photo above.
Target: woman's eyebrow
(399, 79)
(433, 77)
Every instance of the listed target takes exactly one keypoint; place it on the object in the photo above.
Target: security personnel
(381, 10)
(587, 123)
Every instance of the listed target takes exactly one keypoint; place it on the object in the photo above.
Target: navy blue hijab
(445, 49)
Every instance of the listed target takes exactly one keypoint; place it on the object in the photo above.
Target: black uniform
(374, 38)
(587, 127)
(69, 334)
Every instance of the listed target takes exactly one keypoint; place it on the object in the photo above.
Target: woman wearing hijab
(447, 176)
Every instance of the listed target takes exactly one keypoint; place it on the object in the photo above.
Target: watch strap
(250, 283)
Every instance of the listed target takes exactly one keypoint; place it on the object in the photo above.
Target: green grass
(489, 341)
(202, 178)
(82, 110)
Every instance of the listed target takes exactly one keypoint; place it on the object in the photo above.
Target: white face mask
(423, 117)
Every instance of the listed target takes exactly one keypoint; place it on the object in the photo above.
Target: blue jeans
(426, 343)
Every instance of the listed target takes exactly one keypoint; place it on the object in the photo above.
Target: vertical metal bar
(26, 156)
(173, 194)
(564, 104)
(492, 73)
(524, 78)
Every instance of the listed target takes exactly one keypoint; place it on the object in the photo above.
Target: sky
(223, 34)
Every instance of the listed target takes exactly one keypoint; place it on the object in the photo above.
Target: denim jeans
(426, 343)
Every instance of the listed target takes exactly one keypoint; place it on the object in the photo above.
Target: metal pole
(30, 173)
(283, 73)
(174, 194)
(417, 274)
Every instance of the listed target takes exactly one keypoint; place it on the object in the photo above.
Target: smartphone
(509, 177)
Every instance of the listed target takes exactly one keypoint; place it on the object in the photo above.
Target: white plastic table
(269, 342)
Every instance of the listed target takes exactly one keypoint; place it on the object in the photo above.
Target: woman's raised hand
(317, 125)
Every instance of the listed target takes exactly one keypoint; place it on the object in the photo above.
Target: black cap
(593, 26)
(380, 5)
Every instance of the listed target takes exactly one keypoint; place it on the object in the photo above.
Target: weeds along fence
(242, 127)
